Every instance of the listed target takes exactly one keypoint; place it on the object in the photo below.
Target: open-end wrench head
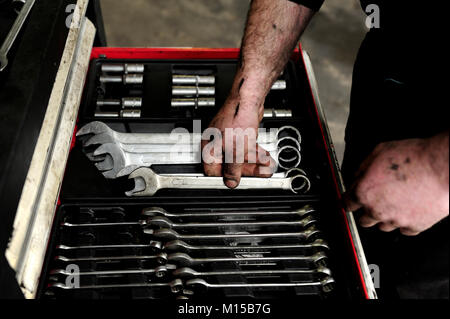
(96, 127)
(106, 164)
(98, 139)
(144, 177)
(118, 156)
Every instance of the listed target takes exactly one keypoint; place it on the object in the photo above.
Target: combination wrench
(157, 211)
(186, 272)
(179, 245)
(111, 136)
(175, 286)
(147, 183)
(186, 260)
(163, 222)
(327, 284)
(170, 234)
(159, 272)
(14, 32)
(160, 258)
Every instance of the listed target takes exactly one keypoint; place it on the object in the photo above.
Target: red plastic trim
(363, 284)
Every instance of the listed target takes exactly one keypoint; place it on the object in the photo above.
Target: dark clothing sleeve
(312, 4)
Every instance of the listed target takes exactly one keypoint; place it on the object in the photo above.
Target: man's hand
(238, 159)
(272, 31)
(403, 184)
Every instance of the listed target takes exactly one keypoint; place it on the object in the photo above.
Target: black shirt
(398, 93)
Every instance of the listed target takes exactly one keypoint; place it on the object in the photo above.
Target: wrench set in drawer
(138, 219)
(161, 253)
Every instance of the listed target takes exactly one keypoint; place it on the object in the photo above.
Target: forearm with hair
(272, 32)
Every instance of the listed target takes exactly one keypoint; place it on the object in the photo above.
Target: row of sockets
(188, 91)
(127, 107)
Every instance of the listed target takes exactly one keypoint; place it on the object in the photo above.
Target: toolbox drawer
(84, 189)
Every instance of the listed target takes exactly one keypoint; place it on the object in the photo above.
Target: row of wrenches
(120, 154)
(182, 244)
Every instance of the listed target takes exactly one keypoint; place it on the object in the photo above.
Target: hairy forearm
(272, 32)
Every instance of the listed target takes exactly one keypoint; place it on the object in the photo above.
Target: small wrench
(178, 245)
(170, 234)
(14, 32)
(186, 260)
(147, 183)
(164, 222)
(161, 258)
(326, 284)
(159, 272)
(154, 245)
(157, 211)
(175, 286)
(186, 272)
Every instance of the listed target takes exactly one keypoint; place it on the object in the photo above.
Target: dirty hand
(403, 184)
(230, 158)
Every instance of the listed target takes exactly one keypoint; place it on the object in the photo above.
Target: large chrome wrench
(14, 32)
(119, 162)
(186, 260)
(147, 183)
(186, 272)
(326, 284)
(109, 135)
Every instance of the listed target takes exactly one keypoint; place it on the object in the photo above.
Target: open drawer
(45, 247)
